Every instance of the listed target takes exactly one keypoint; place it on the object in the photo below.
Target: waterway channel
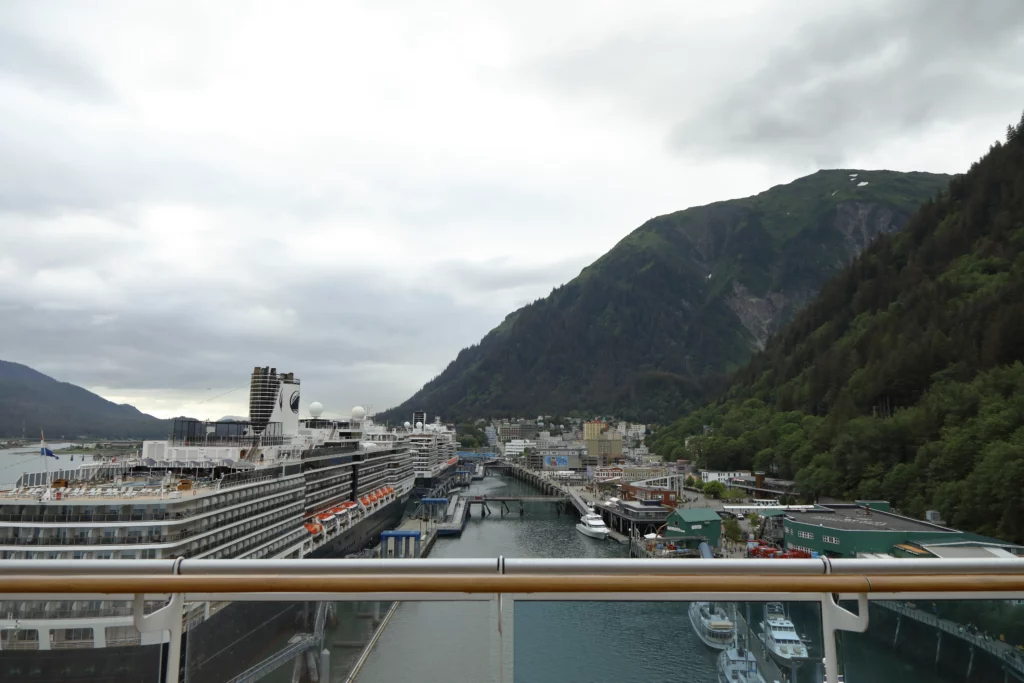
(572, 642)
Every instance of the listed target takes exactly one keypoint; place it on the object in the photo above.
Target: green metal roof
(697, 515)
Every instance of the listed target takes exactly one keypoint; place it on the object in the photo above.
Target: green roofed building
(867, 528)
(695, 523)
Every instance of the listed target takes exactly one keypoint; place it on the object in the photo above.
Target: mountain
(66, 411)
(904, 379)
(653, 325)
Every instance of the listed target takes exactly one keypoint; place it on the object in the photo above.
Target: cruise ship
(272, 486)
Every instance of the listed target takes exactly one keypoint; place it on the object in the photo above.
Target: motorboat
(780, 636)
(738, 665)
(592, 525)
(712, 625)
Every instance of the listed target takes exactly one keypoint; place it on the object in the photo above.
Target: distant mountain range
(64, 411)
(652, 327)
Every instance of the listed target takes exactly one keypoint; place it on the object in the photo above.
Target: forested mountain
(64, 410)
(903, 379)
(649, 327)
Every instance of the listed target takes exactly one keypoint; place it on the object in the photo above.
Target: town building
(561, 458)
(866, 528)
(592, 430)
(724, 477)
(626, 474)
(695, 523)
(508, 431)
(666, 496)
(515, 447)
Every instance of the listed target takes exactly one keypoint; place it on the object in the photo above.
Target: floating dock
(455, 517)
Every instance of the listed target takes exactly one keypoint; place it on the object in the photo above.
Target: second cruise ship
(273, 486)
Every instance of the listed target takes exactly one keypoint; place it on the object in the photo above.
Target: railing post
(167, 618)
(835, 618)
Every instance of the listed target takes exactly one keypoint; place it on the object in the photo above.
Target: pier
(1011, 660)
(549, 487)
(765, 664)
(455, 516)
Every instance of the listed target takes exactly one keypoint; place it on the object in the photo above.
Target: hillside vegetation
(651, 327)
(903, 379)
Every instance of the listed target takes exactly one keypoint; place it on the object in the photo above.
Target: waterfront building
(695, 523)
(870, 527)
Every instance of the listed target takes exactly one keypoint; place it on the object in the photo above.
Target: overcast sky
(355, 191)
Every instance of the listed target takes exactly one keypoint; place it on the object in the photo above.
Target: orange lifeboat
(338, 511)
(365, 500)
(324, 516)
(313, 528)
(348, 504)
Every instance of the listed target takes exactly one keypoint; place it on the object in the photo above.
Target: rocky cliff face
(859, 223)
(683, 299)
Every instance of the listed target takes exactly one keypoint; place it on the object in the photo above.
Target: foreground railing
(827, 598)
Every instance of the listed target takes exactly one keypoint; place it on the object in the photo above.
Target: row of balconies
(140, 512)
(224, 538)
(116, 538)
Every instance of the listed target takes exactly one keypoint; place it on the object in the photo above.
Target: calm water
(16, 461)
(567, 642)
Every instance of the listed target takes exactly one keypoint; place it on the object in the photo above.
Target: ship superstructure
(273, 486)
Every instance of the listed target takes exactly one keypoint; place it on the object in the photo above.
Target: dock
(765, 664)
(455, 516)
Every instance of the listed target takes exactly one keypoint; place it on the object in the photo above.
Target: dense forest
(651, 328)
(903, 379)
(34, 401)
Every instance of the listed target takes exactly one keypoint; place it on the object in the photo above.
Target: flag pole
(42, 452)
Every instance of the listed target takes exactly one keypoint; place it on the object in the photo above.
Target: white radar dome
(407, 425)
(419, 425)
(315, 409)
(358, 413)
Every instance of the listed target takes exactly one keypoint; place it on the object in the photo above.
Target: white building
(724, 477)
(515, 447)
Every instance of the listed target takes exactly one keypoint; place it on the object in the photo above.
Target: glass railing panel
(681, 642)
(74, 640)
(436, 641)
(932, 641)
(374, 640)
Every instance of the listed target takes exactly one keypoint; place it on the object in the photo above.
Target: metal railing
(504, 581)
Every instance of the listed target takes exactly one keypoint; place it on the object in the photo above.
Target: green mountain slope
(904, 378)
(64, 410)
(683, 299)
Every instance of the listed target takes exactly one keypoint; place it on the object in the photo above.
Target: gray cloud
(855, 80)
(180, 202)
(46, 66)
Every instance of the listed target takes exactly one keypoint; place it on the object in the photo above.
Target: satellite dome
(419, 425)
(358, 413)
(315, 409)
(407, 425)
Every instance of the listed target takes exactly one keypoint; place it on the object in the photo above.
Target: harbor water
(572, 642)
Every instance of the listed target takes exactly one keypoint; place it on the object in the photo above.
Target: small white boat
(780, 636)
(738, 665)
(592, 525)
(711, 625)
